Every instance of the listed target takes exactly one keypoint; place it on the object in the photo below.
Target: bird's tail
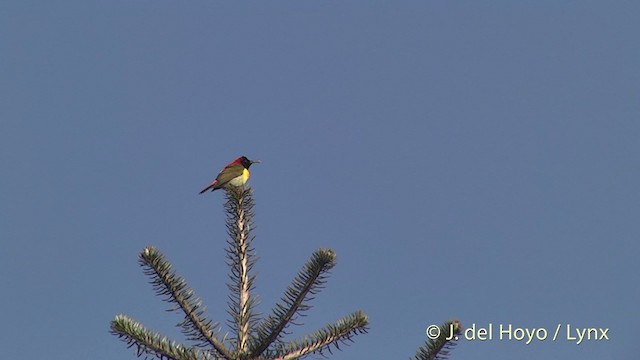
(211, 186)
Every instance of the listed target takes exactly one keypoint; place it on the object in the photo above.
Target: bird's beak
(255, 161)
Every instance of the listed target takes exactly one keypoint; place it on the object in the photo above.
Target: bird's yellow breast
(240, 180)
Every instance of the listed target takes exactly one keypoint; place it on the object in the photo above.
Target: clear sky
(465, 159)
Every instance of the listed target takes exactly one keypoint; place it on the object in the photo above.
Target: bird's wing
(229, 173)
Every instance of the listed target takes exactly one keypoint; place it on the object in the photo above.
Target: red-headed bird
(235, 173)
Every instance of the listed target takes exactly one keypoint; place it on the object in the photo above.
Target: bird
(236, 173)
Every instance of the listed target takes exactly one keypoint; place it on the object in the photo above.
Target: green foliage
(254, 338)
(440, 348)
(173, 289)
(148, 342)
(321, 340)
(309, 281)
(241, 259)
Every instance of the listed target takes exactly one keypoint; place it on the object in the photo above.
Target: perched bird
(235, 173)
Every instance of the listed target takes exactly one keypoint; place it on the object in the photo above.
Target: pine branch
(175, 290)
(440, 348)
(151, 343)
(307, 283)
(241, 258)
(332, 335)
(250, 342)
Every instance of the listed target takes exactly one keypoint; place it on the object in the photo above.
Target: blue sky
(465, 159)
